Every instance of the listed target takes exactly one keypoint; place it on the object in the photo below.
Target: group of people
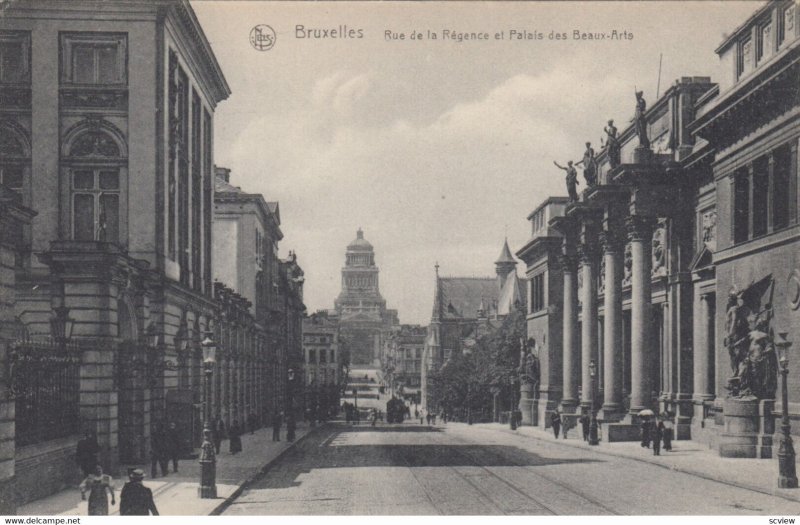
(655, 431)
(165, 446)
(134, 500)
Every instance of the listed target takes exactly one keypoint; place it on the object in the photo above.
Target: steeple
(437, 297)
(505, 264)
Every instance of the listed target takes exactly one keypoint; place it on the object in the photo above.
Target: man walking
(585, 424)
(158, 452)
(173, 445)
(136, 499)
(555, 422)
(277, 420)
(86, 453)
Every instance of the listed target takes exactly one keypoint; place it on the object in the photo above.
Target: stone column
(640, 232)
(612, 325)
(588, 255)
(570, 335)
(702, 352)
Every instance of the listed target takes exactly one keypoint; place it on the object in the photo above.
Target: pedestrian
(86, 453)
(291, 427)
(252, 421)
(235, 436)
(658, 432)
(564, 426)
(421, 419)
(219, 434)
(645, 428)
(555, 422)
(667, 434)
(173, 445)
(433, 418)
(374, 416)
(136, 499)
(585, 424)
(416, 413)
(158, 452)
(277, 420)
(428, 418)
(97, 484)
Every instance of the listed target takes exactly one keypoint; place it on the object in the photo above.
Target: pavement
(689, 457)
(176, 494)
(456, 469)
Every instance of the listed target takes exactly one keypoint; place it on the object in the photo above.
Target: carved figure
(758, 375)
(589, 166)
(640, 121)
(736, 331)
(572, 180)
(612, 144)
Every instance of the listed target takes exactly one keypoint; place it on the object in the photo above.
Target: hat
(136, 474)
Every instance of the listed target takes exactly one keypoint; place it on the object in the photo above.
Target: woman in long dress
(235, 435)
(97, 485)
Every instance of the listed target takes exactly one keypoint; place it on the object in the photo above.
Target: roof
(511, 295)
(359, 243)
(462, 296)
(221, 186)
(505, 254)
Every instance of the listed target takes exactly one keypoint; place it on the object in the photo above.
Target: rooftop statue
(641, 121)
(572, 180)
(612, 144)
(589, 166)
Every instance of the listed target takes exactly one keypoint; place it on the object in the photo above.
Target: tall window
(781, 173)
(95, 168)
(760, 208)
(14, 57)
(745, 58)
(741, 205)
(14, 156)
(93, 58)
(95, 205)
(537, 293)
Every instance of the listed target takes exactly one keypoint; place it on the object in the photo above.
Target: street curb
(219, 509)
(682, 470)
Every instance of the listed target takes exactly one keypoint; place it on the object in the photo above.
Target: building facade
(696, 207)
(464, 309)
(106, 129)
(322, 363)
(364, 320)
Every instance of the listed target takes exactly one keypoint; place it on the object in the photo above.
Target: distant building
(323, 361)
(466, 308)
(364, 320)
(403, 360)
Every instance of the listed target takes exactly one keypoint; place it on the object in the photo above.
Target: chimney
(223, 173)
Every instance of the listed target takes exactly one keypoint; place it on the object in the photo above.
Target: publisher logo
(262, 37)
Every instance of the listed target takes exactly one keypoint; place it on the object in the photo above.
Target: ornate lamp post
(290, 422)
(512, 413)
(208, 459)
(787, 473)
(593, 440)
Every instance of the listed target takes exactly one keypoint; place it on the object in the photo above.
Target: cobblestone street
(456, 469)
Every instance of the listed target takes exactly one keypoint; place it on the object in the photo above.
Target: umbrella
(646, 413)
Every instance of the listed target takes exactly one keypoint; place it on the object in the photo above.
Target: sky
(438, 149)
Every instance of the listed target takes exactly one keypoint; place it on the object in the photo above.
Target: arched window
(14, 156)
(95, 162)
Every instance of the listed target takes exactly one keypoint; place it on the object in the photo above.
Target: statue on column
(529, 369)
(612, 145)
(572, 180)
(641, 121)
(589, 166)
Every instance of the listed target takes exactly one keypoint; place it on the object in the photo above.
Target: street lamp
(787, 474)
(290, 422)
(593, 425)
(208, 459)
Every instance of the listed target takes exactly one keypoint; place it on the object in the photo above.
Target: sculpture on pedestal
(641, 121)
(572, 180)
(589, 166)
(612, 144)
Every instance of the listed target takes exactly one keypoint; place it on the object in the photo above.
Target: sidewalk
(176, 494)
(689, 457)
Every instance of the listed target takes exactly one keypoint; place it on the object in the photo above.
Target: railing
(44, 379)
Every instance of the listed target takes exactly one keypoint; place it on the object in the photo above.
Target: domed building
(363, 318)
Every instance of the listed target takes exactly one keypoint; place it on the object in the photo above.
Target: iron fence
(44, 379)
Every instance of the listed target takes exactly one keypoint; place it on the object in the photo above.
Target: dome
(360, 243)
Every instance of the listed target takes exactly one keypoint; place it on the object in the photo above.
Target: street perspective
(348, 259)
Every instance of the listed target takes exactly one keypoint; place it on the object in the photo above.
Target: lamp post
(593, 425)
(290, 421)
(208, 459)
(512, 420)
(787, 473)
